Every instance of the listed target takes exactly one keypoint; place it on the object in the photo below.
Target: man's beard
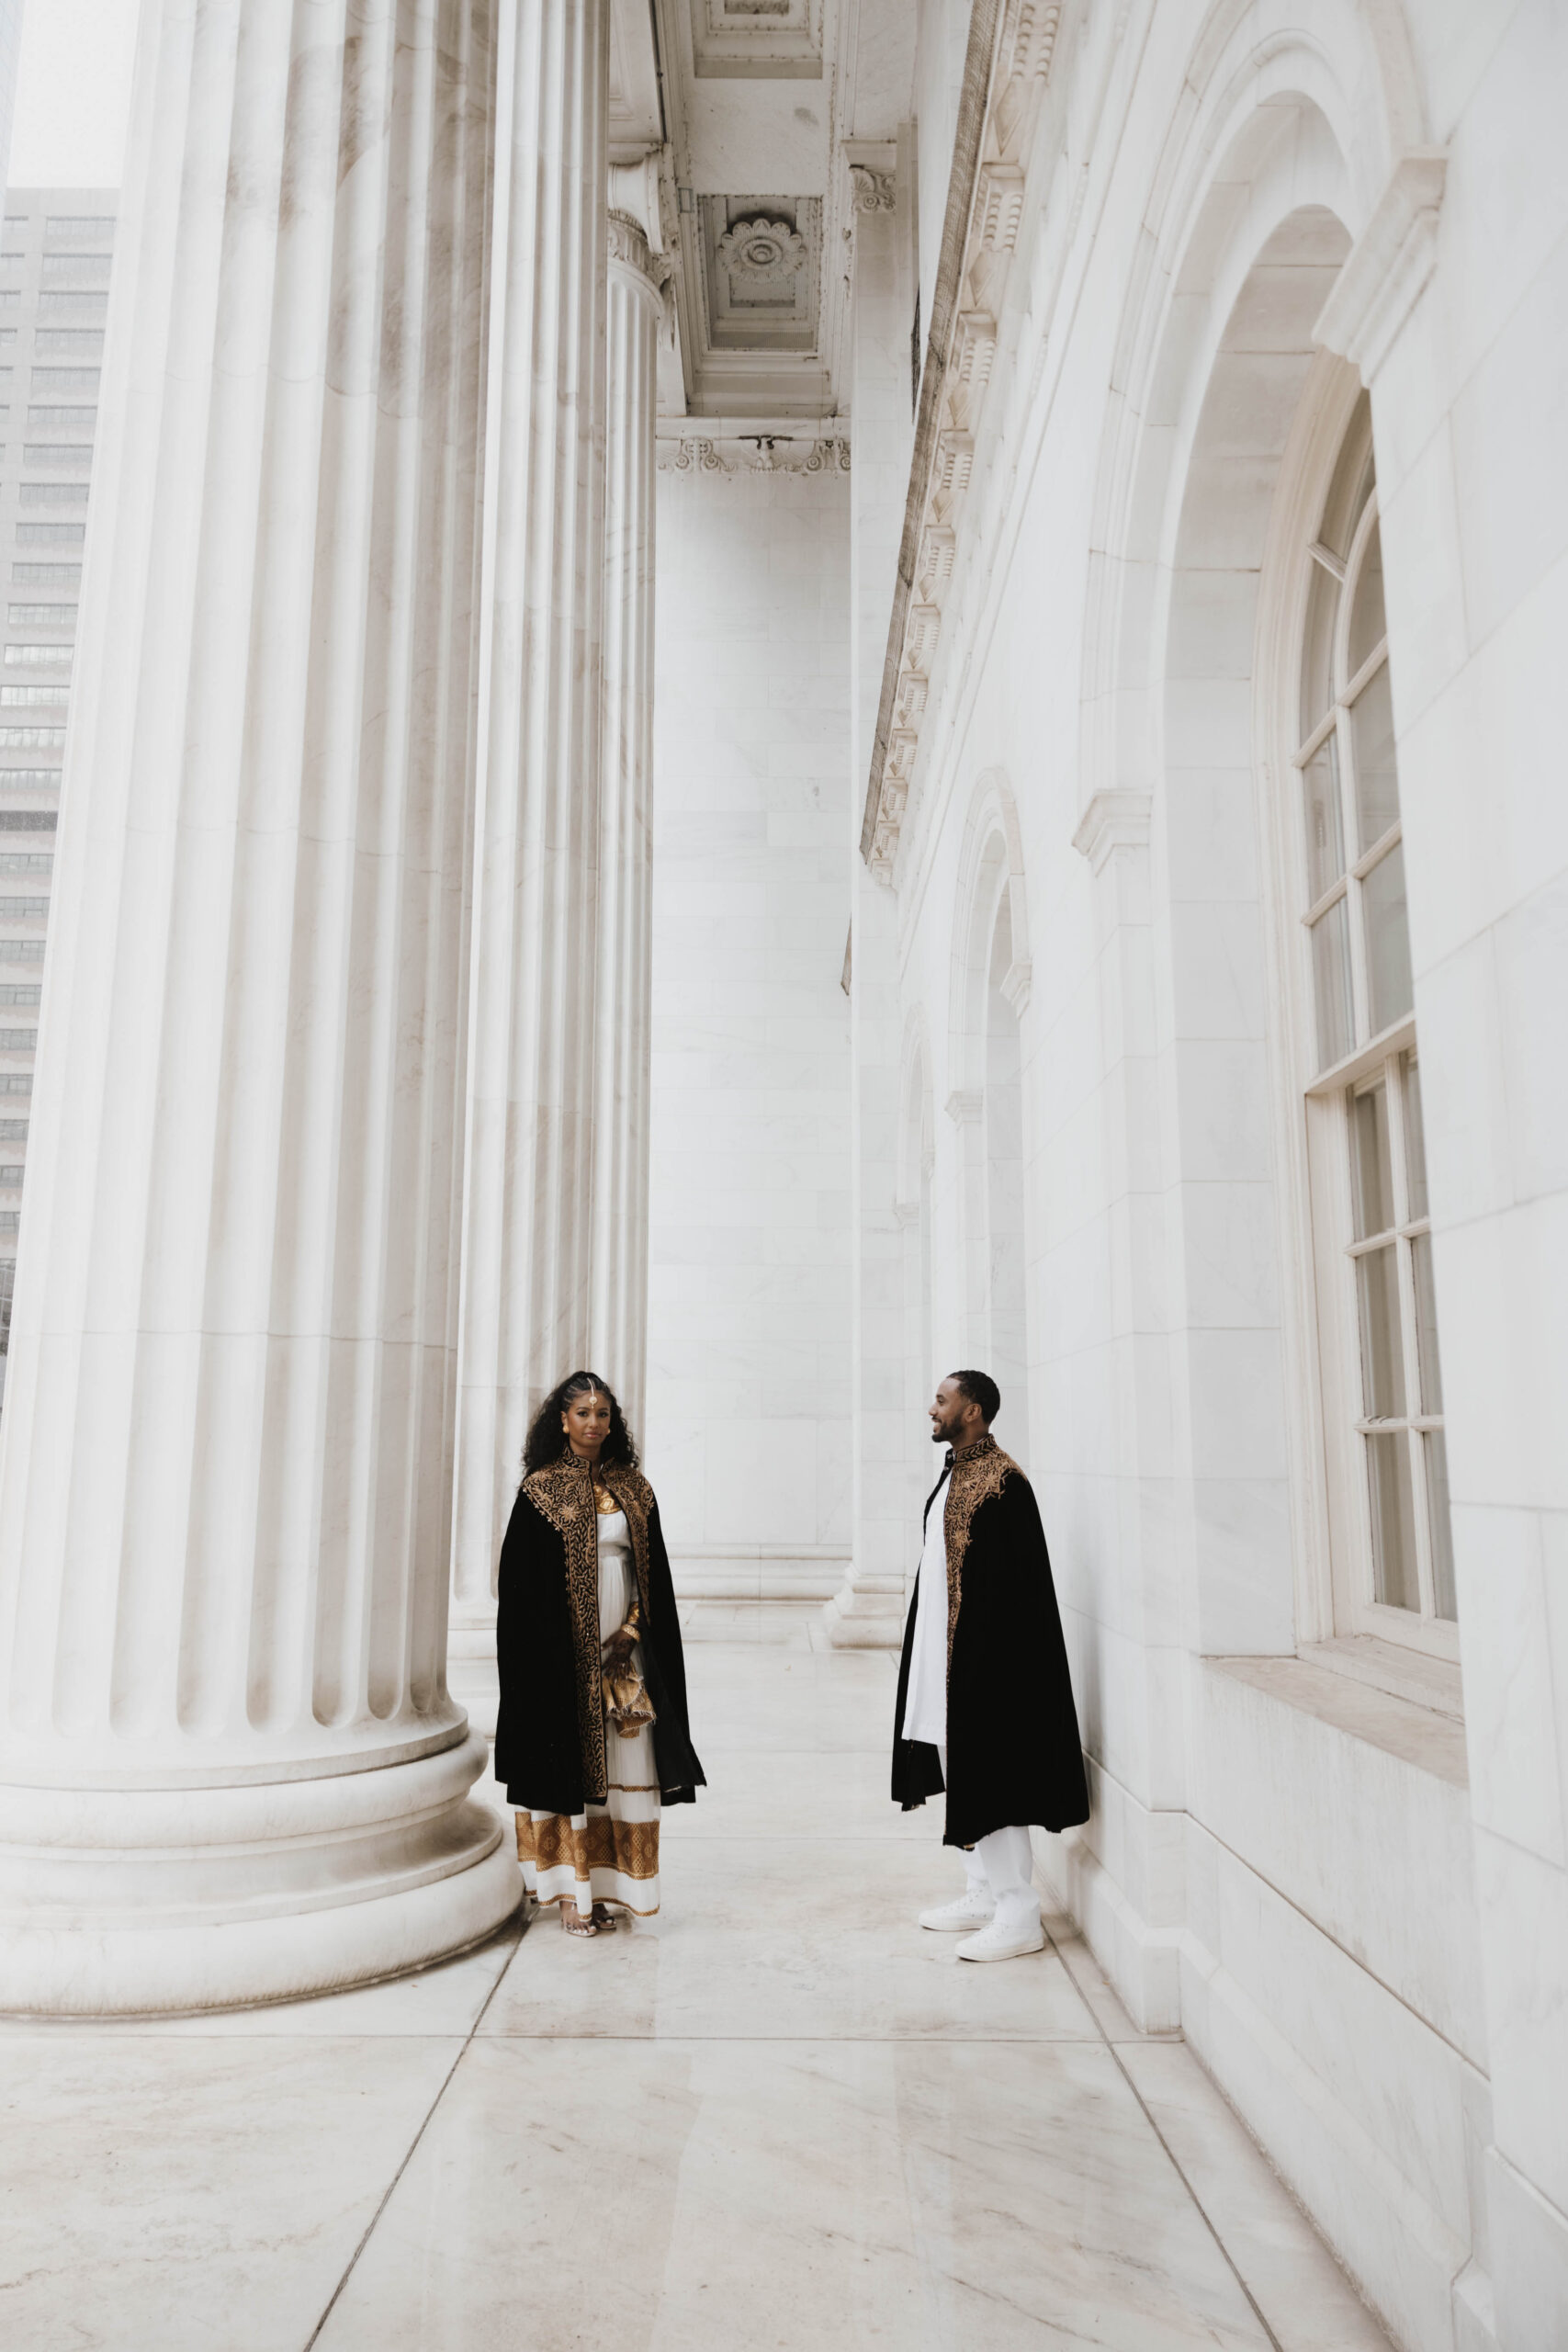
(945, 1433)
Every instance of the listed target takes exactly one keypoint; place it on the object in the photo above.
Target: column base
(473, 1678)
(117, 1902)
(866, 1613)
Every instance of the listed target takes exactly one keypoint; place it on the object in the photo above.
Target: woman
(591, 1736)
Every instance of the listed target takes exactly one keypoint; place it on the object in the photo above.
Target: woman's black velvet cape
(1013, 1754)
(538, 1746)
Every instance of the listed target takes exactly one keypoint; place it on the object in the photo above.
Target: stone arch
(1259, 192)
(1281, 123)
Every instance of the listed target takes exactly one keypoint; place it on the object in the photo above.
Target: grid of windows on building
(54, 275)
(1378, 1318)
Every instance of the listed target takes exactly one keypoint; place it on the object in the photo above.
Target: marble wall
(749, 1307)
(1338, 1877)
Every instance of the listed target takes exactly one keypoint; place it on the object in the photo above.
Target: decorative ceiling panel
(762, 268)
(773, 40)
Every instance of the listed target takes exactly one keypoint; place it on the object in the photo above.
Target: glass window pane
(1377, 780)
(1317, 648)
(1382, 1357)
(1437, 1459)
(1352, 485)
(1331, 983)
(1388, 940)
(1324, 832)
(1371, 1163)
(1414, 1141)
(1394, 1580)
(1368, 625)
(1427, 1324)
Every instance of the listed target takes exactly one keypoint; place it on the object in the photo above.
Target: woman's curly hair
(547, 1441)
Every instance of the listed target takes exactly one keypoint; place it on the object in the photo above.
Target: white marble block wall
(749, 1310)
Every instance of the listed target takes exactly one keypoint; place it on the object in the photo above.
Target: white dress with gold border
(610, 1853)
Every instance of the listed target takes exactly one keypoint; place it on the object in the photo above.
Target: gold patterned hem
(600, 1842)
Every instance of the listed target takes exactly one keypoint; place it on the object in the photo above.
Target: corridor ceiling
(755, 111)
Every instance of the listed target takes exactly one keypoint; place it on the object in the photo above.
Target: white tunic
(925, 1703)
(616, 1584)
(609, 1852)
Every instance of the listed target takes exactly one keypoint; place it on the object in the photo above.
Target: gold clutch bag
(627, 1701)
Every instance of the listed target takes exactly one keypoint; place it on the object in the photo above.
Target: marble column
(526, 1308)
(619, 1320)
(230, 1767)
(888, 1445)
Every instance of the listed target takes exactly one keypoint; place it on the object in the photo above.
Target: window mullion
(1361, 1001)
(1395, 1094)
(1412, 1438)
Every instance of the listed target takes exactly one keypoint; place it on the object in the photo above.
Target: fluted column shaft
(527, 1285)
(620, 1325)
(225, 1471)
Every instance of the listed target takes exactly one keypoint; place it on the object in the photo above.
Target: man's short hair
(980, 1389)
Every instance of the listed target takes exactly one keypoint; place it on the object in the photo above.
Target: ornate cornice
(1005, 71)
(730, 448)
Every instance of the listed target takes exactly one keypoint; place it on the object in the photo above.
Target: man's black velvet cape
(548, 1652)
(1013, 1754)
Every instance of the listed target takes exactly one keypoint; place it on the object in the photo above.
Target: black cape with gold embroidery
(1012, 1730)
(549, 1733)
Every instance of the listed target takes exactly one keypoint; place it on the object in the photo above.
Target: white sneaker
(971, 1910)
(1003, 1943)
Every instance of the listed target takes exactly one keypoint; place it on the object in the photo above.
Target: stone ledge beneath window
(1416, 1732)
(1403, 1673)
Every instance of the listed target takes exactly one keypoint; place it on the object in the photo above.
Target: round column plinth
(119, 1900)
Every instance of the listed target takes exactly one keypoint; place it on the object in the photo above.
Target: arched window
(1377, 1323)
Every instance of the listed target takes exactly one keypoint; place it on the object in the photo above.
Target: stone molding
(1388, 267)
(1117, 818)
(796, 447)
(628, 246)
(874, 191)
(965, 1105)
(1017, 982)
(1008, 64)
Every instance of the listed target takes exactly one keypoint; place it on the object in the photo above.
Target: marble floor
(777, 2116)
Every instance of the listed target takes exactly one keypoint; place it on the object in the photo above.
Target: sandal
(603, 1919)
(574, 1923)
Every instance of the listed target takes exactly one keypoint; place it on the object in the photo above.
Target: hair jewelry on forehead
(547, 1439)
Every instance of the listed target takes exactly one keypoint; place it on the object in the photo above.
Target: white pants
(1002, 1866)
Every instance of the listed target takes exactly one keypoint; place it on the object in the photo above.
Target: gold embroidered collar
(974, 1453)
(979, 1471)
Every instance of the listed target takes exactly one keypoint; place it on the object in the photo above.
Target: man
(985, 1703)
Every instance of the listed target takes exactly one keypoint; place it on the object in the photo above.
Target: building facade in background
(10, 61)
(54, 280)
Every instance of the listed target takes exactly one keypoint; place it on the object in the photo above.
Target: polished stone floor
(778, 2116)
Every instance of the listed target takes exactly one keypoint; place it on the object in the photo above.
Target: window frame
(1322, 1098)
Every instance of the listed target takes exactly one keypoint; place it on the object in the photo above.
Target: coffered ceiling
(750, 103)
